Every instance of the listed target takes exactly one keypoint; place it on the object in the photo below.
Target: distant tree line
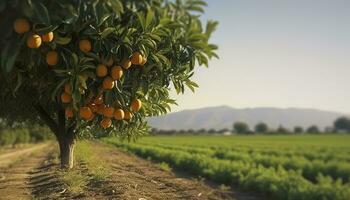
(340, 125)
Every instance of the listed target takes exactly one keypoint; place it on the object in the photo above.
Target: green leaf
(117, 6)
(10, 53)
(42, 13)
(62, 40)
(141, 20)
(107, 31)
(57, 89)
(82, 81)
(149, 18)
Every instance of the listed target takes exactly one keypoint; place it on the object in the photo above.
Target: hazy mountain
(224, 117)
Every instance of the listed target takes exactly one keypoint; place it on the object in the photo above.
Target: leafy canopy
(164, 40)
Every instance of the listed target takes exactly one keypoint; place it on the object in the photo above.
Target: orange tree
(97, 67)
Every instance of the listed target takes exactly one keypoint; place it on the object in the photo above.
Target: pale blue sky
(277, 53)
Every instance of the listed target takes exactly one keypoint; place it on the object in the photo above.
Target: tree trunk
(65, 134)
(67, 152)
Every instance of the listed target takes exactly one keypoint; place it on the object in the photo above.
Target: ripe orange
(21, 26)
(67, 88)
(108, 111)
(119, 114)
(127, 115)
(136, 105)
(85, 113)
(85, 45)
(101, 70)
(48, 37)
(108, 83)
(34, 41)
(101, 108)
(106, 123)
(144, 60)
(52, 58)
(116, 72)
(69, 112)
(136, 58)
(126, 64)
(66, 98)
(93, 107)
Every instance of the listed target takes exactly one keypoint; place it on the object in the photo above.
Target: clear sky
(276, 53)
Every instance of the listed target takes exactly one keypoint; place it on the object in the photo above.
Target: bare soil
(36, 176)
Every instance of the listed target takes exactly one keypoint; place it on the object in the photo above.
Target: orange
(85, 113)
(85, 45)
(127, 115)
(99, 100)
(93, 107)
(136, 58)
(101, 70)
(106, 123)
(119, 114)
(21, 26)
(108, 111)
(108, 83)
(48, 37)
(116, 72)
(101, 108)
(52, 58)
(92, 117)
(144, 60)
(69, 112)
(136, 105)
(126, 64)
(67, 88)
(66, 98)
(34, 41)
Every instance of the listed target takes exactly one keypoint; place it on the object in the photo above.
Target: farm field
(277, 167)
(100, 172)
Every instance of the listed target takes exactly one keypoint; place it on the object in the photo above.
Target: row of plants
(277, 183)
(310, 169)
(313, 153)
(15, 136)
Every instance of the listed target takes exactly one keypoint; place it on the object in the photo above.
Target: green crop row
(325, 147)
(309, 169)
(276, 183)
(312, 153)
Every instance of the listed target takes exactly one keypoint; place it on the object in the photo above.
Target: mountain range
(224, 117)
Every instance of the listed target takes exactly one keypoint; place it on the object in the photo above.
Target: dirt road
(17, 168)
(36, 176)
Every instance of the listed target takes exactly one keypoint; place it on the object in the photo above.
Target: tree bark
(67, 145)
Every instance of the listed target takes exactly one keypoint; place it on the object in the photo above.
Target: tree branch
(46, 118)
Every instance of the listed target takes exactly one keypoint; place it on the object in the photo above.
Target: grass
(164, 166)
(76, 179)
(73, 179)
(97, 168)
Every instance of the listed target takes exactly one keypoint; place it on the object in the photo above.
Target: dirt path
(36, 176)
(7, 158)
(15, 177)
(135, 178)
